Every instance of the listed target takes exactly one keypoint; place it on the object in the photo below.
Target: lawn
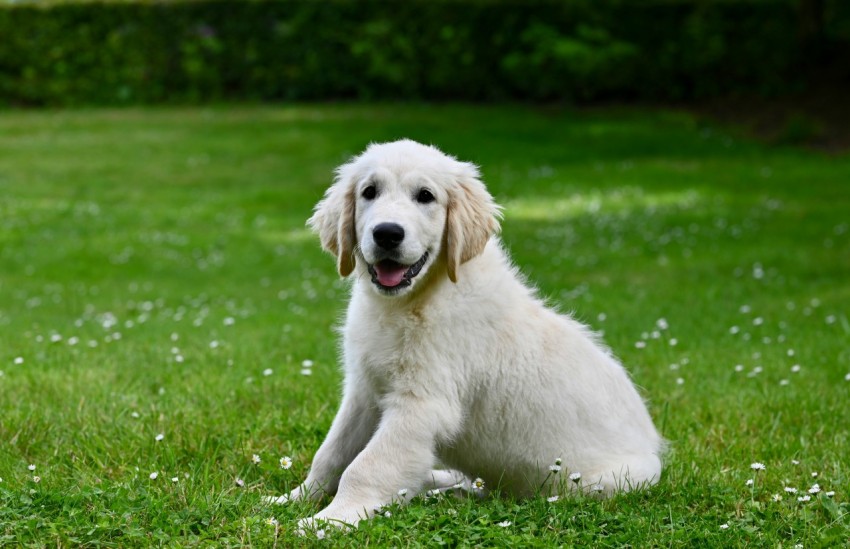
(165, 316)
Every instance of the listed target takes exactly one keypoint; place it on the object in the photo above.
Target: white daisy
(552, 499)
(750, 482)
(804, 499)
(285, 462)
(256, 459)
(575, 477)
(153, 475)
(724, 526)
(814, 489)
(757, 466)
(31, 467)
(478, 484)
(159, 437)
(239, 482)
(505, 523)
(790, 490)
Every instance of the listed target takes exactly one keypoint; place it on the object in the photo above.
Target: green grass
(182, 230)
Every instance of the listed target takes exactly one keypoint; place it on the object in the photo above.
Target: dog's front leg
(399, 456)
(354, 423)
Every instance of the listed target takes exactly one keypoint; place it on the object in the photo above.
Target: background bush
(114, 53)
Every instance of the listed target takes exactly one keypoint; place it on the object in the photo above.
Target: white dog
(451, 360)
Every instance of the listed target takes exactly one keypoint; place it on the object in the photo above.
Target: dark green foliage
(95, 53)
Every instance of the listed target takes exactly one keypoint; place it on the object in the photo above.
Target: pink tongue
(390, 275)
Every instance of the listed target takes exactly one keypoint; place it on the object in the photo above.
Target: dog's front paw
(294, 495)
(320, 526)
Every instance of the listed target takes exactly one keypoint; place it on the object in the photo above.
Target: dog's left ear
(333, 219)
(471, 219)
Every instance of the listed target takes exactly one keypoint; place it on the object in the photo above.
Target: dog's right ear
(333, 219)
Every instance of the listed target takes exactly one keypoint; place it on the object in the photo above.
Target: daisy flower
(239, 482)
(575, 477)
(271, 521)
(724, 526)
(153, 475)
(402, 492)
(790, 490)
(478, 484)
(285, 462)
(804, 499)
(505, 523)
(256, 459)
(159, 437)
(757, 466)
(31, 467)
(814, 489)
(552, 499)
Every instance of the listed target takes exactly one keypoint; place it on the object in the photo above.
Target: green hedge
(116, 53)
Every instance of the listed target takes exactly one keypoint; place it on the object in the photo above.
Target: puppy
(451, 360)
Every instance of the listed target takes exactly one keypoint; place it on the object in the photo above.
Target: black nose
(388, 235)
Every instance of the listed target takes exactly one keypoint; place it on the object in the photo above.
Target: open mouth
(390, 275)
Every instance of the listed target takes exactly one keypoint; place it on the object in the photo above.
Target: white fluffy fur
(466, 368)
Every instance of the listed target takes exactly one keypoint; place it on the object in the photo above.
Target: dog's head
(400, 208)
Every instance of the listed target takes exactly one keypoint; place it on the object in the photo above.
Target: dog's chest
(391, 353)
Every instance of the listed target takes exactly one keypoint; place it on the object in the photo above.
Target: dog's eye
(424, 196)
(369, 192)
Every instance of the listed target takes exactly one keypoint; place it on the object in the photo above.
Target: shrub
(210, 50)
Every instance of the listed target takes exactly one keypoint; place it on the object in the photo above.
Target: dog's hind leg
(630, 473)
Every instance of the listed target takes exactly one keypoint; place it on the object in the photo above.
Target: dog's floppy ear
(333, 219)
(471, 219)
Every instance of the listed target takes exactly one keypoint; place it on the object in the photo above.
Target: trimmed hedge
(69, 54)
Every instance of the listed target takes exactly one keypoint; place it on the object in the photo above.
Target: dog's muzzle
(391, 275)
